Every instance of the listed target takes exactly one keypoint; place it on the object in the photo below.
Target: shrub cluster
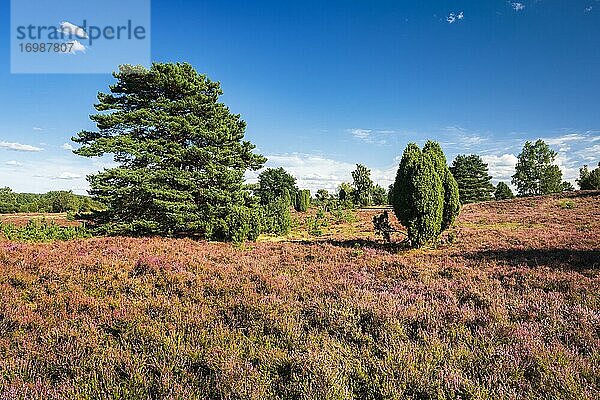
(42, 231)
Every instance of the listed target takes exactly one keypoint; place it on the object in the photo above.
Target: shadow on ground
(553, 258)
(394, 247)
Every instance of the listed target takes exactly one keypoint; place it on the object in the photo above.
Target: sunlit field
(506, 306)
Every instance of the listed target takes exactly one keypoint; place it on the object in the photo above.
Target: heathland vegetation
(138, 296)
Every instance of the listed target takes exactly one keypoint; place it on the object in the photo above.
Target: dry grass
(510, 309)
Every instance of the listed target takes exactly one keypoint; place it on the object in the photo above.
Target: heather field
(506, 307)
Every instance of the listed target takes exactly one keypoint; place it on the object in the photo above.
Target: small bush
(566, 204)
(302, 201)
(42, 231)
(276, 217)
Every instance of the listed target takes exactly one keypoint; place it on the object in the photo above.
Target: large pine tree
(474, 181)
(180, 153)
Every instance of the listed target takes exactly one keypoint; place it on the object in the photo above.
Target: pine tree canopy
(589, 180)
(503, 192)
(180, 153)
(474, 181)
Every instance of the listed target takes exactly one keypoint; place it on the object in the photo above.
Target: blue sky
(327, 84)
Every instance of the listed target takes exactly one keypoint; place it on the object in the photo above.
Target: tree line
(51, 202)
(181, 161)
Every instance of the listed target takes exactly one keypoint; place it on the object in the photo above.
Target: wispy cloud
(67, 176)
(517, 6)
(13, 163)
(73, 30)
(68, 146)
(589, 9)
(37, 128)
(372, 136)
(453, 17)
(19, 147)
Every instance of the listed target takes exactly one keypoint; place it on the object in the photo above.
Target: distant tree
(302, 200)
(535, 172)
(8, 200)
(503, 192)
(474, 181)
(379, 195)
(180, 153)
(322, 195)
(567, 187)
(62, 201)
(363, 186)
(589, 180)
(425, 196)
(390, 194)
(345, 192)
(273, 183)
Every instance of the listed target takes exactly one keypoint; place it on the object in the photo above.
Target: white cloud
(517, 6)
(501, 168)
(73, 47)
(452, 18)
(68, 146)
(13, 163)
(19, 147)
(37, 128)
(67, 176)
(316, 172)
(73, 30)
(589, 9)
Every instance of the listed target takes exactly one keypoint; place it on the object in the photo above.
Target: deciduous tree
(535, 173)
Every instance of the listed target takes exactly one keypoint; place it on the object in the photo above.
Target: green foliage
(346, 193)
(425, 196)
(51, 202)
(379, 196)
(503, 192)
(535, 172)
(474, 181)
(390, 194)
(315, 224)
(302, 200)
(42, 231)
(180, 153)
(567, 187)
(589, 180)
(344, 215)
(274, 183)
(566, 204)
(363, 186)
(276, 217)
